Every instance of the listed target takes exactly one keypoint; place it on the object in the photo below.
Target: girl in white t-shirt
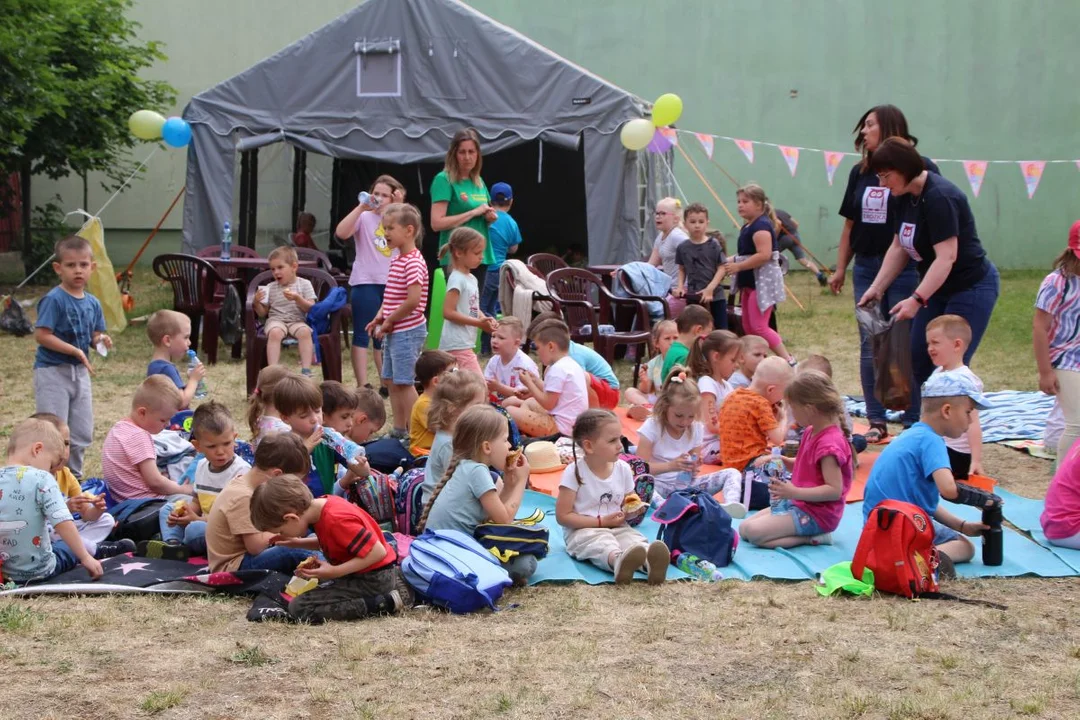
(713, 360)
(596, 498)
(671, 440)
(461, 308)
(642, 397)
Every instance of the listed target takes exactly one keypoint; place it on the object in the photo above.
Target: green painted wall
(992, 80)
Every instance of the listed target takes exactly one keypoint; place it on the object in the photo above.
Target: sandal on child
(877, 434)
(627, 564)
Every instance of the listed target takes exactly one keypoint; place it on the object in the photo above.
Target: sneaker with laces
(163, 550)
(112, 549)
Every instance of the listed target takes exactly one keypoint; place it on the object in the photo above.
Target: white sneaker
(628, 563)
(822, 539)
(658, 558)
(735, 509)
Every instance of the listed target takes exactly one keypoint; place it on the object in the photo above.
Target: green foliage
(69, 79)
(47, 227)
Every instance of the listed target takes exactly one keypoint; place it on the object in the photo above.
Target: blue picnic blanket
(1016, 415)
(1024, 513)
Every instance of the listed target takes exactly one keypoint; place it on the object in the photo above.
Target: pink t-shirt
(1061, 516)
(807, 473)
(125, 447)
(372, 263)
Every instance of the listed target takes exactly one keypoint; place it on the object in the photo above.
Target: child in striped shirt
(401, 318)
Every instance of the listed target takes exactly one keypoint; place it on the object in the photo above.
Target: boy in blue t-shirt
(915, 466)
(505, 237)
(69, 321)
(170, 334)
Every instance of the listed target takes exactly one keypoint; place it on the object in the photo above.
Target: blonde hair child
(671, 440)
(458, 391)
(649, 379)
(461, 308)
(812, 504)
(261, 403)
(713, 360)
(596, 498)
(466, 495)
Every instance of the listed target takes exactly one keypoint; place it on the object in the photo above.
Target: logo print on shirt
(907, 240)
(875, 205)
(380, 241)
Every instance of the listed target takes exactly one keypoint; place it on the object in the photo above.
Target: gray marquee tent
(386, 85)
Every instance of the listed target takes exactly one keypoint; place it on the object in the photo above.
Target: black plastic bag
(13, 319)
(890, 342)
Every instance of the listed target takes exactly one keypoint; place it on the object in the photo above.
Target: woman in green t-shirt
(459, 197)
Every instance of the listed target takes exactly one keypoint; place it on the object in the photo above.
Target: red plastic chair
(329, 343)
(585, 303)
(544, 263)
(198, 292)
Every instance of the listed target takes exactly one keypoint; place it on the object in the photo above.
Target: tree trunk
(24, 200)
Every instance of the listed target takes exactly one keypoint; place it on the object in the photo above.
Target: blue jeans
(489, 303)
(862, 275)
(65, 559)
(282, 559)
(402, 350)
(193, 535)
(975, 305)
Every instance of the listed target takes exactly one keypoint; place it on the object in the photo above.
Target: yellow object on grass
(103, 279)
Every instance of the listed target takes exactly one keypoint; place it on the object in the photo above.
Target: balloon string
(126, 182)
(675, 180)
(708, 187)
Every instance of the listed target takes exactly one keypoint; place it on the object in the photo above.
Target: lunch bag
(692, 522)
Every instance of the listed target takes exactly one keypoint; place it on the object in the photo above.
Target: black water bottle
(992, 550)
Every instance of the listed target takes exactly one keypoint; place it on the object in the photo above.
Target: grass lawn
(739, 650)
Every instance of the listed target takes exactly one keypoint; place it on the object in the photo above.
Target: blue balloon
(176, 132)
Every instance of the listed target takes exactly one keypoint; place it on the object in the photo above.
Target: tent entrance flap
(549, 193)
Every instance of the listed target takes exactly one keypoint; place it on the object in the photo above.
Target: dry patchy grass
(738, 650)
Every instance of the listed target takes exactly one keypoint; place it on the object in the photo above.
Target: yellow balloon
(637, 134)
(666, 110)
(146, 124)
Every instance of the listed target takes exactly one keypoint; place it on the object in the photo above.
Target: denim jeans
(192, 535)
(975, 305)
(65, 558)
(862, 276)
(489, 304)
(277, 557)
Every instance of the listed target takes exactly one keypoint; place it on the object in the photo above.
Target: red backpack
(897, 544)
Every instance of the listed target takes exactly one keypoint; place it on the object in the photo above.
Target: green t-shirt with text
(462, 197)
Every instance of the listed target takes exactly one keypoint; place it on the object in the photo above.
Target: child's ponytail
(262, 397)
(455, 460)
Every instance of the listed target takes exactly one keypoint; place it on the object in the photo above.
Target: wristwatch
(918, 298)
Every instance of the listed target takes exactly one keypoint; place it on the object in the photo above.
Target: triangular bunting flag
(707, 143)
(791, 157)
(975, 171)
(670, 134)
(1078, 164)
(832, 161)
(1033, 171)
(747, 147)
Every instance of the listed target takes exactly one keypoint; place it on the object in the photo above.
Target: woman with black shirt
(869, 212)
(934, 227)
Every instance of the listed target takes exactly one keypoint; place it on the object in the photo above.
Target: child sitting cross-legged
(232, 541)
(94, 525)
(593, 506)
(915, 467)
(600, 379)
(453, 396)
(466, 495)
(128, 457)
(183, 524)
(812, 504)
(358, 561)
(508, 359)
(671, 440)
(284, 303)
(430, 369)
(551, 405)
(30, 502)
(170, 334)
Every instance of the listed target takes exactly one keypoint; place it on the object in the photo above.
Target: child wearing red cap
(1056, 340)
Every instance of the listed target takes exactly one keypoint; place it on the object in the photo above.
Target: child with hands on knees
(461, 308)
(458, 392)
(358, 574)
(284, 303)
(503, 371)
(670, 441)
(30, 502)
(596, 499)
(94, 525)
(170, 334)
(713, 359)
(467, 496)
(813, 502)
(642, 397)
(754, 349)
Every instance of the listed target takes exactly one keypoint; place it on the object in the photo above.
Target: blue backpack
(452, 571)
(692, 522)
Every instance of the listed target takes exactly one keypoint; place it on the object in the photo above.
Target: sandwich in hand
(632, 506)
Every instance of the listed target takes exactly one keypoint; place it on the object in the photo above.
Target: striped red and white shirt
(125, 447)
(405, 270)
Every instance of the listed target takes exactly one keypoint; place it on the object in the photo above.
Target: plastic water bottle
(774, 469)
(366, 198)
(687, 476)
(696, 567)
(226, 243)
(192, 363)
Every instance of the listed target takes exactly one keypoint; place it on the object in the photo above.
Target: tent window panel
(445, 69)
(378, 74)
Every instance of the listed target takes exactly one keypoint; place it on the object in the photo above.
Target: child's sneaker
(163, 550)
(112, 549)
(735, 509)
(658, 558)
(628, 562)
(822, 539)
